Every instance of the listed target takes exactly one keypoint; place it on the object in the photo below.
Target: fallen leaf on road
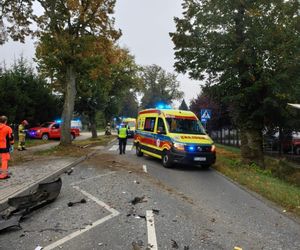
(174, 244)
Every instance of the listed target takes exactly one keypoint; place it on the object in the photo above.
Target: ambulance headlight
(179, 146)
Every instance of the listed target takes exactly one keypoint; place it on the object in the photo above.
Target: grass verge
(77, 148)
(278, 182)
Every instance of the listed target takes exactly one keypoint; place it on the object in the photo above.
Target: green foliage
(159, 86)
(130, 105)
(220, 112)
(23, 95)
(15, 18)
(183, 105)
(125, 79)
(248, 50)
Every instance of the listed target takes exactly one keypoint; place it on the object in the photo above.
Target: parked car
(291, 143)
(50, 130)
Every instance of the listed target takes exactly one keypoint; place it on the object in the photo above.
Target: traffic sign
(205, 114)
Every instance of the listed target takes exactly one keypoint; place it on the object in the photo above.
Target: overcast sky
(145, 25)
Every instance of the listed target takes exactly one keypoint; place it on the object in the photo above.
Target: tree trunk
(245, 150)
(92, 119)
(252, 147)
(69, 101)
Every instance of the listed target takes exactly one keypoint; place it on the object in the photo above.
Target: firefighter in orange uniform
(6, 146)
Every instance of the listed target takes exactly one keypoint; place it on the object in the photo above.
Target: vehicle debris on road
(138, 200)
(70, 171)
(155, 211)
(23, 205)
(70, 204)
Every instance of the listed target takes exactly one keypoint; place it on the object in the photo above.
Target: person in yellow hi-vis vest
(122, 136)
(22, 135)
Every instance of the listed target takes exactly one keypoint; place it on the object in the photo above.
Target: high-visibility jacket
(123, 133)
(6, 138)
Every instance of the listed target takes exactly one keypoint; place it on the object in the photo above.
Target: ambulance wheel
(72, 137)
(138, 150)
(166, 161)
(45, 137)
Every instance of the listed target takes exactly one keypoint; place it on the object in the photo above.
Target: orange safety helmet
(25, 122)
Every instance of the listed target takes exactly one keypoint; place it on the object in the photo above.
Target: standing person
(122, 135)
(108, 129)
(22, 135)
(6, 146)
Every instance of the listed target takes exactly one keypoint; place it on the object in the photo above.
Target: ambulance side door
(160, 133)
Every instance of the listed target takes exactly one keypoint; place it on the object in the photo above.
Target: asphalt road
(193, 209)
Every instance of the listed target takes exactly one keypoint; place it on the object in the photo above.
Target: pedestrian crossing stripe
(114, 148)
(129, 147)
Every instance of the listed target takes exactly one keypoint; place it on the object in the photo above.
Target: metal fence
(226, 136)
(231, 137)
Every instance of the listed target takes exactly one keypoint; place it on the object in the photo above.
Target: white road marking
(145, 168)
(114, 148)
(152, 243)
(88, 227)
(129, 147)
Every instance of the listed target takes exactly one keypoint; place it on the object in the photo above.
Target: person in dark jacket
(6, 146)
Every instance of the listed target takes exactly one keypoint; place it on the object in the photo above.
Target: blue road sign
(205, 114)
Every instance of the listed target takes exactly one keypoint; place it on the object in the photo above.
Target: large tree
(130, 105)
(104, 92)
(249, 50)
(159, 87)
(71, 33)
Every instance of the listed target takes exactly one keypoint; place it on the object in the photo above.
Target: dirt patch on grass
(228, 154)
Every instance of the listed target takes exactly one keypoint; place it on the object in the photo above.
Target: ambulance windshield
(182, 125)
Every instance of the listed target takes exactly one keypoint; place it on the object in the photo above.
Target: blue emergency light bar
(163, 106)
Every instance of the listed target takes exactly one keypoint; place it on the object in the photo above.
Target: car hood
(35, 128)
(194, 139)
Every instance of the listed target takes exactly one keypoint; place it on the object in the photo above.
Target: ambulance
(174, 136)
(131, 124)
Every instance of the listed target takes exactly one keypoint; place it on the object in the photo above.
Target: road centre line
(151, 230)
(145, 168)
(88, 227)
